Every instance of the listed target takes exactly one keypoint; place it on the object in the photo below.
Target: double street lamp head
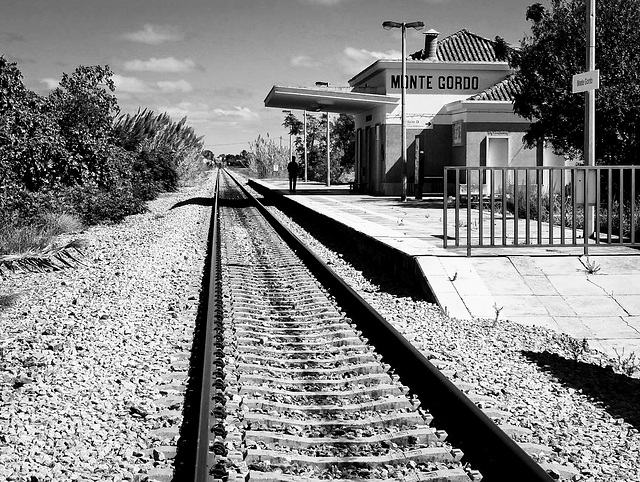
(388, 25)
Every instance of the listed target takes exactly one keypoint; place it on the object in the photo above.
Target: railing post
(457, 208)
(587, 214)
(444, 208)
(468, 213)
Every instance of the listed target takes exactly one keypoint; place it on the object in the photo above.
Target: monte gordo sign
(586, 81)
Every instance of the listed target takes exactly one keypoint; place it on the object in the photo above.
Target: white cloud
(354, 60)
(243, 113)
(304, 61)
(202, 113)
(130, 85)
(177, 86)
(50, 83)
(196, 113)
(167, 64)
(154, 34)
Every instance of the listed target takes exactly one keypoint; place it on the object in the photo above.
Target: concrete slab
(520, 305)
(539, 285)
(556, 306)
(616, 284)
(574, 285)
(573, 326)
(595, 306)
(480, 306)
(559, 265)
(629, 303)
(609, 327)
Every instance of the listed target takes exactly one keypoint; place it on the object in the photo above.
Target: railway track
(295, 390)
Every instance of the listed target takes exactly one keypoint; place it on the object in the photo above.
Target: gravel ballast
(94, 359)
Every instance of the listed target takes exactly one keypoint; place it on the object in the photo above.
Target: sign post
(588, 82)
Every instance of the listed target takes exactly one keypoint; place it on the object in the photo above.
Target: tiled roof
(464, 46)
(504, 90)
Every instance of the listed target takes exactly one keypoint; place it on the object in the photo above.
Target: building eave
(326, 100)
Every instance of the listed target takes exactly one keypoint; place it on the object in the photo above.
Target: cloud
(167, 64)
(178, 86)
(130, 85)
(200, 113)
(354, 60)
(50, 83)
(154, 34)
(243, 113)
(304, 61)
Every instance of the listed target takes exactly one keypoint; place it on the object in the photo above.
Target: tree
(345, 140)
(85, 109)
(31, 150)
(342, 137)
(554, 52)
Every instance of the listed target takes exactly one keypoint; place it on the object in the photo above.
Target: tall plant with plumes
(149, 134)
(267, 159)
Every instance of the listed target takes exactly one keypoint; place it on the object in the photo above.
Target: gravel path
(574, 415)
(93, 360)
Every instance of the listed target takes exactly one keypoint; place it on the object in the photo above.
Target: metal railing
(496, 207)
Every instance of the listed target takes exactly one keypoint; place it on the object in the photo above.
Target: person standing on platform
(292, 167)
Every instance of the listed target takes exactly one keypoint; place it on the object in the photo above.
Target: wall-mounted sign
(456, 134)
(412, 121)
(437, 82)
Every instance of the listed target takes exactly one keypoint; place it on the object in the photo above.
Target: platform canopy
(326, 100)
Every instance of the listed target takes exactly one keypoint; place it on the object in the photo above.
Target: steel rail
(201, 467)
(485, 445)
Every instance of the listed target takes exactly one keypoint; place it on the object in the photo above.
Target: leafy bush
(66, 159)
(159, 166)
(97, 205)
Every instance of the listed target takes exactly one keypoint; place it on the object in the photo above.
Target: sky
(215, 61)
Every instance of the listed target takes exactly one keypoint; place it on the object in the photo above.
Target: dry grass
(9, 300)
(34, 248)
(16, 240)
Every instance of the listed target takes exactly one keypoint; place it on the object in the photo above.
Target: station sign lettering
(440, 82)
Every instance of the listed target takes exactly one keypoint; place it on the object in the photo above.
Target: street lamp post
(403, 82)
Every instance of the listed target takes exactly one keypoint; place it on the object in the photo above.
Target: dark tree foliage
(31, 150)
(345, 140)
(342, 137)
(85, 109)
(555, 51)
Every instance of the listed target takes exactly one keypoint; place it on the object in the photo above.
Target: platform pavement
(533, 286)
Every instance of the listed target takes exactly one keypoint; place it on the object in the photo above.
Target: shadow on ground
(198, 201)
(619, 394)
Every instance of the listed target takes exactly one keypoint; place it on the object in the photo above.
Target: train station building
(458, 112)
